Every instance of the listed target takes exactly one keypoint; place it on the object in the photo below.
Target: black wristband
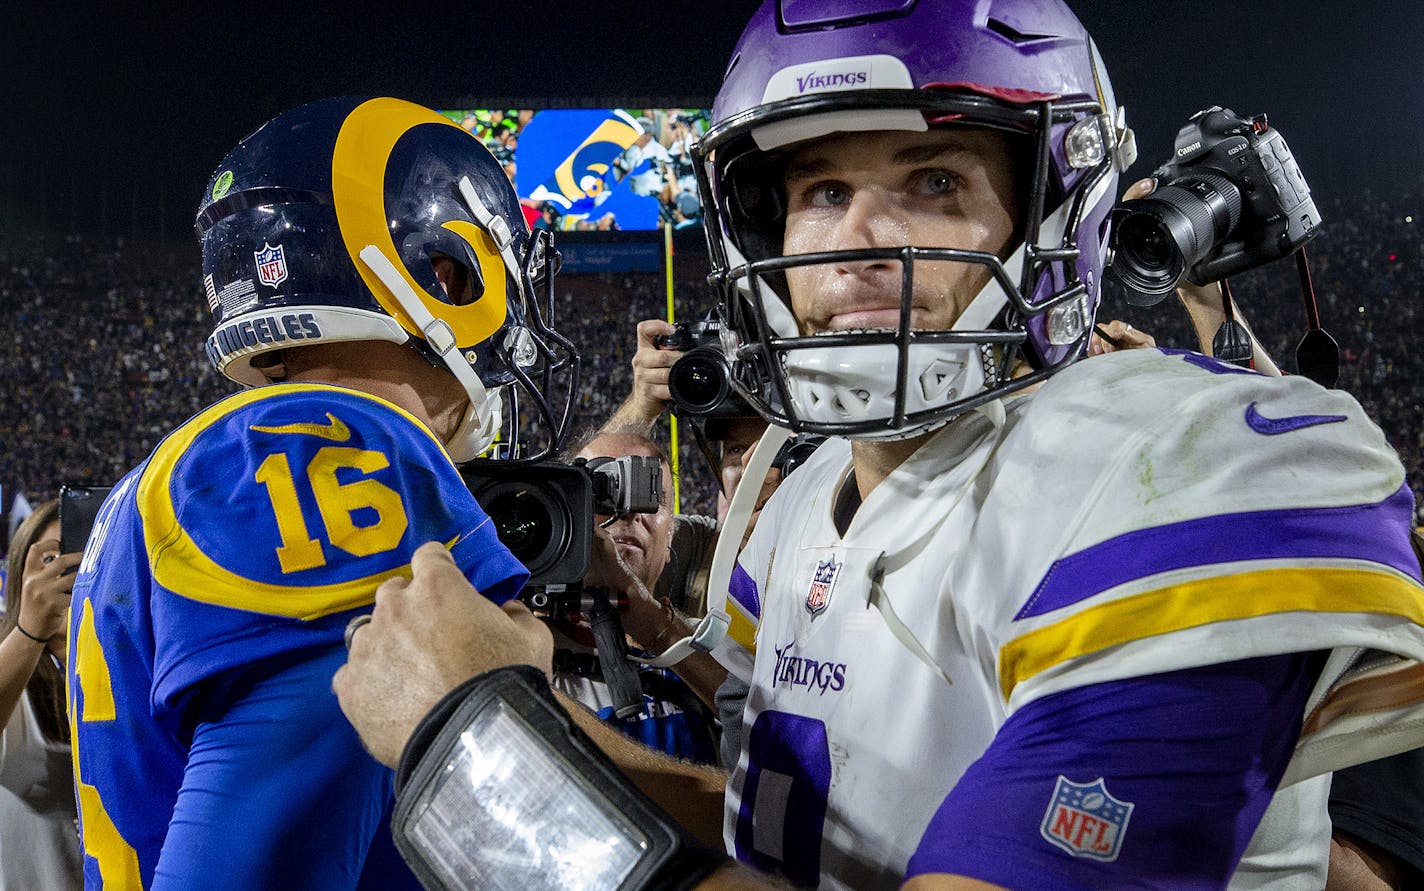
(29, 635)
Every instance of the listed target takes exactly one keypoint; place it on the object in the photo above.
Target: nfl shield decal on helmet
(1085, 820)
(824, 580)
(271, 265)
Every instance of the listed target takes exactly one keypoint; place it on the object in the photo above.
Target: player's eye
(827, 194)
(938, 182)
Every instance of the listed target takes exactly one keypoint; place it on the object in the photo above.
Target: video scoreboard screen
(592, 170)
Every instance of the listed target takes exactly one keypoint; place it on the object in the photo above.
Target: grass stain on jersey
(1145, 476)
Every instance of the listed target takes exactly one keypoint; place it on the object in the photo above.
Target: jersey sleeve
(1150, 782)
(1203, 514)
(277, 792)
(272, 517)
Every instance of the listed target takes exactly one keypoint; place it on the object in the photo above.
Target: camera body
(544, 512)
(1231, 198)
(700, 381)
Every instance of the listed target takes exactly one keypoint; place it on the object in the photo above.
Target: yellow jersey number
(118, 862)
(337, 502)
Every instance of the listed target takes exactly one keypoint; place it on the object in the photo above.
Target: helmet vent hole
(1012, 34)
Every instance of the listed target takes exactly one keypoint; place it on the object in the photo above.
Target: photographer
(633, 558)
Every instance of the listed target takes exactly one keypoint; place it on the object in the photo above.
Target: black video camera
(544, 512)
(700, 381)
(1232, 198)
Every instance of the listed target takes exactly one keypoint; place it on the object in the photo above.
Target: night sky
(114, 117)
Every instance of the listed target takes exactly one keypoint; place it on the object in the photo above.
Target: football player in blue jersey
(1023, 621)
(374, 285)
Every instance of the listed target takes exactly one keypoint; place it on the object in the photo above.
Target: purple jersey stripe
(744, 591)
(1183, 765)
(1376, 532)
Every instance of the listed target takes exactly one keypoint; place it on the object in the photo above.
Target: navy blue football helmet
(322, 225)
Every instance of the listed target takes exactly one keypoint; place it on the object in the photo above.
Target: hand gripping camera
(700, 381)
(1230, 199)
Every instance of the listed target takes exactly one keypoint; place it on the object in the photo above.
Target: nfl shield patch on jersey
(822, 583)
(1085, 820)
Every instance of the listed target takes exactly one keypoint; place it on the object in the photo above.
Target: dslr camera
(544, 512)
(700, 381)
(1231, 198)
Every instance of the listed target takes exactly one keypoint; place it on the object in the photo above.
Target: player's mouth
(863, 319)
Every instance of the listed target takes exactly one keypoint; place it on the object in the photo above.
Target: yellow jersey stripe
(1202, 602)
(741, 628)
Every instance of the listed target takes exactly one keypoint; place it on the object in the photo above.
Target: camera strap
(1317, 356)
(1232, 342)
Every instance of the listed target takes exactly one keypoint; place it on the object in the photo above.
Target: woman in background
(39, 843)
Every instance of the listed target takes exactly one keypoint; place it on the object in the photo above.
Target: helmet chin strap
(713, 627)
(481, 422)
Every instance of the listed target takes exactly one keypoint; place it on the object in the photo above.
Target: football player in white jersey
(1025, 622)
(1000, 626)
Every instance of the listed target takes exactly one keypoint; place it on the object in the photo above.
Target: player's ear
(454, 278)
(273, 365)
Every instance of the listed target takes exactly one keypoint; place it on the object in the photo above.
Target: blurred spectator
(687, 211)
(89, 317)
(646, 162)
(39, 844)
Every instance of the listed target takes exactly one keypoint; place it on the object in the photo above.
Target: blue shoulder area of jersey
(299, 500)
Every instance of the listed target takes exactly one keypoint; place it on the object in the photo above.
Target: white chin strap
(481, 422)
(713, 627)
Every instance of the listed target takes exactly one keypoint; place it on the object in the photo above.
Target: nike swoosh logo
(336, 431)
(1276, 426)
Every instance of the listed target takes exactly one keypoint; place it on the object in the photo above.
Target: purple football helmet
(805, 69)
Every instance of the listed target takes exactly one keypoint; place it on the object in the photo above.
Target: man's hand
(650, 395)
(1120, 336)
(608, 569)
(426, 636)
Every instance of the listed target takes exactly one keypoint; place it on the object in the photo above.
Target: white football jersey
(1143, 512)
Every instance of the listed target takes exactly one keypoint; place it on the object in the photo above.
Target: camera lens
(1160, 237)
(524, 519)
(699, 381)
(1148, 258)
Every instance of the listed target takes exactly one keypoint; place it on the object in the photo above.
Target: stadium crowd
(102, 354)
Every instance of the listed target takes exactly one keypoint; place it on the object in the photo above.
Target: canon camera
(1231, 198)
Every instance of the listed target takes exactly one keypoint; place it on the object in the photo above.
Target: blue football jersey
(208, 619)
